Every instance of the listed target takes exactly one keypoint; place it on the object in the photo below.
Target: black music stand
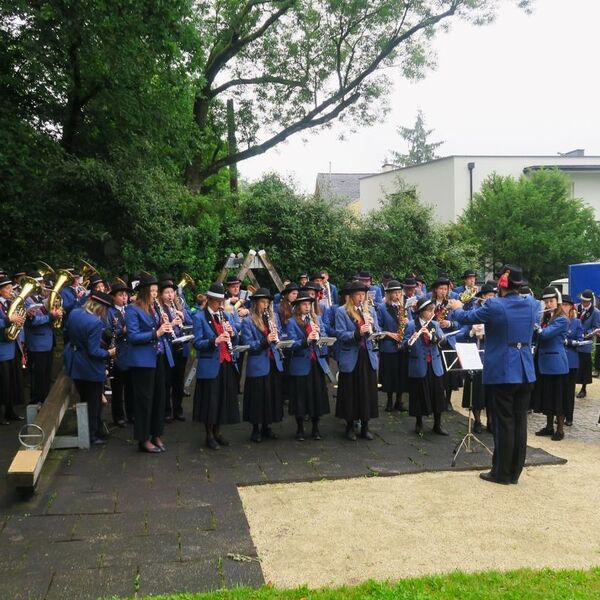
(452, 362)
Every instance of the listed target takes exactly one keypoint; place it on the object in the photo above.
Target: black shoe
(153, 450)
(419, 428)
(569, 423)
(15, 417)
(180, 417)
(221, 440)
(300, 435)
(477, 427)
(212, 444)
(97, 441)
(581, 394)
(168, 419)
(350, 435)
(255, 437)
(161, 446)
(389, 407)
(557, 436)
(365, 434)
(439, 430)
(120, 423)
(267, 432)
(545, 431)
(316, 435)
(489, 477)
(4, 422)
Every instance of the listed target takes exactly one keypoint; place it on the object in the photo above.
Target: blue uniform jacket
(299, 363)
(39, 335)
(84, 356)
(142, 340)
(574, 335)
(589, 324)
(387, 322)
(259, 364)
(7, 349)
(117, 321)
(417, 353)
(204, 342)
(509, 323)
(552, 356)
(348, 342)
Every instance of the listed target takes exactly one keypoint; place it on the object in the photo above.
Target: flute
(417, 335)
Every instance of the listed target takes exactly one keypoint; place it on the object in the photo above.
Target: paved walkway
(113, 521)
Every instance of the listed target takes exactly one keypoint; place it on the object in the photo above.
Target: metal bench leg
(83, 428)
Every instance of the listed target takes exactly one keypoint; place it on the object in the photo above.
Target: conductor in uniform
(508, 371)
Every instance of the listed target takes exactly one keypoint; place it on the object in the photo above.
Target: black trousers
(122, 395)
(510, 403)
(174, 385)
(5, 387)
(149, 400)
(40, 371)
(90, 392)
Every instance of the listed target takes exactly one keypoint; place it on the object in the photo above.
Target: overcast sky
(526, 84)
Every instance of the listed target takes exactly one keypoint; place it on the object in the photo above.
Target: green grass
(524, 584)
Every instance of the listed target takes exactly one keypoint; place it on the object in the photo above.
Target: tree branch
(254, 80)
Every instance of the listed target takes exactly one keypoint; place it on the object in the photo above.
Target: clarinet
(272, 328)
(163, 317)
(222, 319)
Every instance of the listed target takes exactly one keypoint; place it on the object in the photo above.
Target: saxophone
(401, 322)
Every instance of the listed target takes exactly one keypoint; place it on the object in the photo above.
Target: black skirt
(263, 403)
(308, 394)
(551, 399)
(391, 372)
(216, 400)
(426, 394)
(584, 374)
(479, 400)
(357, 391)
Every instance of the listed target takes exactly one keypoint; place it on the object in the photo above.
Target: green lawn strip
(523, 584)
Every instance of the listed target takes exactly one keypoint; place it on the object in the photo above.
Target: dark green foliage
(533, 222)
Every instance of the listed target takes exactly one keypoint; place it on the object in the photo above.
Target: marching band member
(120, 384)
(302, 279)
(357, 381)
(552, 364)
(425, 370)
(149, 356)
(307, 367)
(233, 296)
(589, 316)
(39, 340)
(262, 391)
(468, 290)
(72, 294)
(217, 377)
(508, 369)
(176, 374)
(392, 320)
(373, 291)
(385, 280)
(440, 294)
(85, 357)
(476, 334)
(574, 337)
(330, 292)
(7, 351)
(284, 309)
(410, 292)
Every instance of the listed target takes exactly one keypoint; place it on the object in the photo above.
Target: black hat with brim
(146, 281)
(440, 281)
(469, 273)
(409, 282)
(102, 298)
(261, 293)
(117, 287)
(486, 289)
(302, 297)
(587, 295)
(510, 276)
(551, 292)
(357, 286)
(232, 280)
(290, 287)
(422, 304)
(566, 299)
(167, 283)
(216, 291)
(393, 286)
(5, 280)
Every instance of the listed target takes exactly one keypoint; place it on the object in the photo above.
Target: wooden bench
(27, 464)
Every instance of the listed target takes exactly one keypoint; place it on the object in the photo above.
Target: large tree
(533, 222)
(293, 65)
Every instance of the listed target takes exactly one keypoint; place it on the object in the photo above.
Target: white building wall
(444, 183)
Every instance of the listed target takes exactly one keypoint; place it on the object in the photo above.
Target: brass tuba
(468, 294)
(186, 280)
(55, 300)
(44, 269)
(87, 271)
(28, 287)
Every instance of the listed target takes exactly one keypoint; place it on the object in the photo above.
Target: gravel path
(343, 532)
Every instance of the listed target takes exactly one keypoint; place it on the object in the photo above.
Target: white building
(447, 183)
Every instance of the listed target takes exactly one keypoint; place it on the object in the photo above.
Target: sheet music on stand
(282, 344)
(239, 349)
(326, 341)
(469, 356)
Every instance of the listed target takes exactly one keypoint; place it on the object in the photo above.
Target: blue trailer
(582, 277)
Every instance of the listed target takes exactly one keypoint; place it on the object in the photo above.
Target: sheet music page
(469, 357)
